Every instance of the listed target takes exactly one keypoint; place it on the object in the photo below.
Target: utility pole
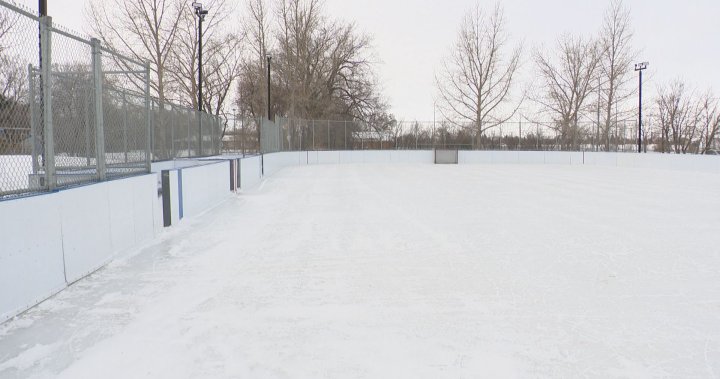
(640, 67)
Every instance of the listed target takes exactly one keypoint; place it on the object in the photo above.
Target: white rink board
(54, 239)
(250, 173)
(31, 260)
(204, 187)
(275, 162)
(87, 242)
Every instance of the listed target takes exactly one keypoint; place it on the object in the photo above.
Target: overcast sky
(680, 39)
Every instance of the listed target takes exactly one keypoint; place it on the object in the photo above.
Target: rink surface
(413, 271)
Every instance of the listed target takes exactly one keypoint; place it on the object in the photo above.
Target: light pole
(269, 60)
(640, 67)
(200, 12)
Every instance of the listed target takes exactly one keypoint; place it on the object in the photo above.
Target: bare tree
(477, 77)
(321, 68)
(709, 120)
(140, 29)
(568, 80)
(323, 65)
(616, 57)
(7, 21)
(251, 86)
(675, 116)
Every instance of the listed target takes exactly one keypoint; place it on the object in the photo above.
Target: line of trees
(321, 67)
(579, 79)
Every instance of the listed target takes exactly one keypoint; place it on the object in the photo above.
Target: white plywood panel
(86, 233)
(557, 157)
(412, 156)
(122, 219)
(474, 157)
(531, 157)
(376, 156)
(249, 172)
(504, 157)
(312, 157)
(144, 189)
(328, 157)
(351, 157)
(601, 159)
(31, 257)
(204, 187)
(576, 157)
(274, 162)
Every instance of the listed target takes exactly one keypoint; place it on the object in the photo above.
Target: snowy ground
(406, 272)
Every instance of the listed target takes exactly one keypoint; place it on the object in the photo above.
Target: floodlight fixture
(641, 66)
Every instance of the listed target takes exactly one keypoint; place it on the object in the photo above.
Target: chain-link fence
(295, 134)
(181, 132)
(72, 111)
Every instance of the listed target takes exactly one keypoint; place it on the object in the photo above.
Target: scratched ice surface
(406, 272)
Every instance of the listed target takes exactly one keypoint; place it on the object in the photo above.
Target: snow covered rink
(406, 271)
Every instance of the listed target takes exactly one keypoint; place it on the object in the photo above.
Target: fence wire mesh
(74, 112)
(296, 134)
(18, 55)
(125, 116)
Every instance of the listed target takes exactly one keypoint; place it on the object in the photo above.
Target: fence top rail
(121, 57)
(69, 34)
(19, 9)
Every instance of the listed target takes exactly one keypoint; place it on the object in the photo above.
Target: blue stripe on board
(180, 195)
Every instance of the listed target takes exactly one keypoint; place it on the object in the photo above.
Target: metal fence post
(99, 120)
(49, 158)
(33, 121)
(125, 127)
(87, 127)
(199, 117)
(328, 135)
(187, 136)
(148, 120)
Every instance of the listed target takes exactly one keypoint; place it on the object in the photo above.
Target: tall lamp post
(269, 59)
(640, 67)
(200, 12)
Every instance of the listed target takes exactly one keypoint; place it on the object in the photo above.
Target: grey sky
(680, 39)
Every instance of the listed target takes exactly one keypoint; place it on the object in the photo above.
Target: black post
(640, 116)
(268, 86)
(200, 82)
(639, 67)
(200, 65)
